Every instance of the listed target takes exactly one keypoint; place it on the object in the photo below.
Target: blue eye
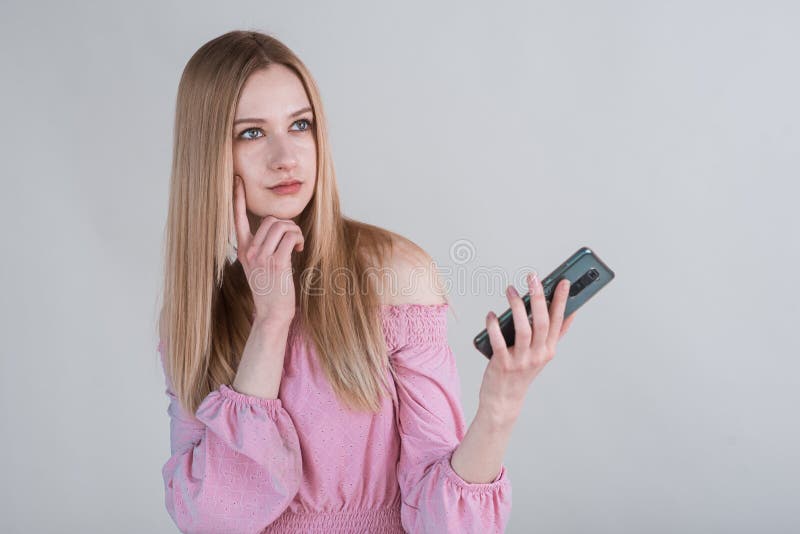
(243, 136)
(307, 121)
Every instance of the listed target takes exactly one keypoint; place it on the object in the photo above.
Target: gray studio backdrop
(664, 135)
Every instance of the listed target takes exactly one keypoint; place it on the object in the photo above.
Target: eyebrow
(295, 114)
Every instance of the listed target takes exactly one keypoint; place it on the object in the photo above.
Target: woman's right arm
(238, 466)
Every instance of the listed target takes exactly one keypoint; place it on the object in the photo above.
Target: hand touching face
(266, 260)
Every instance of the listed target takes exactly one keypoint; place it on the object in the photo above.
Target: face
(273, 141)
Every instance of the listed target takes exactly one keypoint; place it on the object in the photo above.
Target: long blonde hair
(207, 308)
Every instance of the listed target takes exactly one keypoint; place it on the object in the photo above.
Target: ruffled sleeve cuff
(258, 428)
(444, 502)
(272, 406)
(446, 468)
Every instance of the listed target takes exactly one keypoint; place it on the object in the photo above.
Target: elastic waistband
(384, 520)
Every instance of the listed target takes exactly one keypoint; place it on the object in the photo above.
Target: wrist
(271, 321)
(496, 418)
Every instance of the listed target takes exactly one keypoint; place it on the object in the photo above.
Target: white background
(664, 135)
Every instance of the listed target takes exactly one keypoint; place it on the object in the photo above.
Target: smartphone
(587, 275)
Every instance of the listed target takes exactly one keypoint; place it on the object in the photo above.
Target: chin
(284, 212)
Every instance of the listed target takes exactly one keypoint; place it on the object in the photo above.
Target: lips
(285, 183)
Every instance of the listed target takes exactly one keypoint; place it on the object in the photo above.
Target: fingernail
(533, 279)
(511, 291)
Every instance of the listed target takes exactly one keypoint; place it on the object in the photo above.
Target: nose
(281, 156)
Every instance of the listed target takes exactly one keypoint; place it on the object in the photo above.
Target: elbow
(203, 517)
(186, 499)
(186, 516)
(210, 505)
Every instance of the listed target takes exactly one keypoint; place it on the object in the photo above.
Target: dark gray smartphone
(587, 275)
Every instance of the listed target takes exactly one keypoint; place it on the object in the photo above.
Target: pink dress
(304, 463)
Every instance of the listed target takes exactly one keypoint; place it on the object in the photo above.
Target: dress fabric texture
(305, 463)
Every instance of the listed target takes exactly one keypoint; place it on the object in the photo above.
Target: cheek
(306, 152)
(306, 147)
(244, 156)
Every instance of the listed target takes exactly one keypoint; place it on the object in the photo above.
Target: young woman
(307, 395)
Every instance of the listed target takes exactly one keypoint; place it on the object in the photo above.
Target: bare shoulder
(411, 276)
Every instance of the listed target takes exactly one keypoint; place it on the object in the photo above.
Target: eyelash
(309, 121)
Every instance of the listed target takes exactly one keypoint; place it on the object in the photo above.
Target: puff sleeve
(431, 426)
(236, 468)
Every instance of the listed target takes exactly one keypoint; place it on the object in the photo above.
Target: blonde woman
(306, 393)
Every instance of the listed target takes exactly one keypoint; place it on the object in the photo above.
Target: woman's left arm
(435, 498)
(508, 376)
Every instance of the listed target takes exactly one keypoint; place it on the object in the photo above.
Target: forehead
(271, 93)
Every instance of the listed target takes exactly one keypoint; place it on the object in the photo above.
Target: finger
(522, 328)
(283, 257)
(276, 232)
(541, 319)
(288, 242)
(557, 306)
(267, 224)
(243, 236)
(261, 234)
(496, 339)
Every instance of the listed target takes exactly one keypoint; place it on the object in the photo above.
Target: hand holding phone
(587, 275)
